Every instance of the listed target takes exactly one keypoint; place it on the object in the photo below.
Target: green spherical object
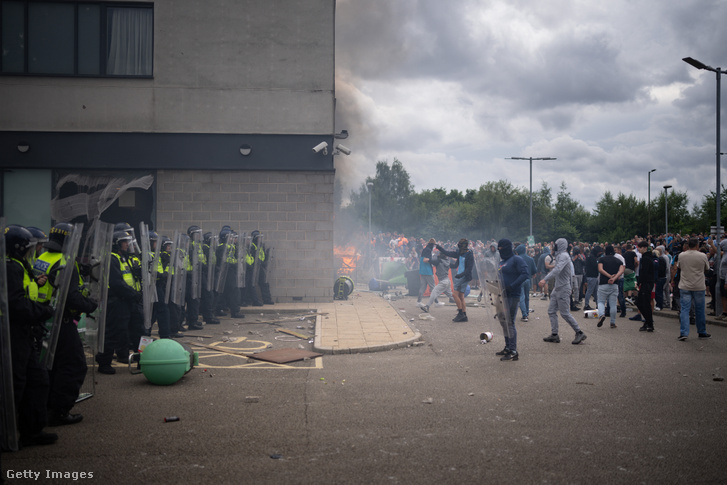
(164, 362)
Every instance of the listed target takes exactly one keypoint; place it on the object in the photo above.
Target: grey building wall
(292, 209)
(243, 66)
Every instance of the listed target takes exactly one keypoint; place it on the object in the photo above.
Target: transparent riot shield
(149, 261)
(170, 269)
(257, 247)
(211, 263)
(222, 263)
(8, 425)
(243, 246)
(97, 260)
(61, 280)
(195, 258)
(267, 265)
(179, 265)
(491, 282)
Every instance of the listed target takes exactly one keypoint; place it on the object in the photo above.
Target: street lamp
(369, 185)
(666, 212)
(649, 228)
(531, 183)
(718, 73)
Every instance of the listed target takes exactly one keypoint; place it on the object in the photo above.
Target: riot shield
(170, 269)
(267, 265)
(491, 282)
(211, 263)
(61, 280)
(243, 246)
(8, 425)
(148, 274)
(179, 265)
(222, 263)
(257, 247)
(97, 260)
(195, 263)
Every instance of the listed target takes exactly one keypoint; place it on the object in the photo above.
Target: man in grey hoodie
(562, 274)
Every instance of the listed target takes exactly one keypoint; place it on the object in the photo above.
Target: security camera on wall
(343, 149)
(322, 147)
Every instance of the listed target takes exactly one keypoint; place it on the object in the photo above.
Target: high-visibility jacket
(29, 285)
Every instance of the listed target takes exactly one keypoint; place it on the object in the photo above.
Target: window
(76, 38)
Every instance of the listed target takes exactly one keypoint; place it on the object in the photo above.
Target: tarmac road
(623, 407)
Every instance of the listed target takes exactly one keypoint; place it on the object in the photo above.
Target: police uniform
(26, 315)
(69, 363)
(122, 297)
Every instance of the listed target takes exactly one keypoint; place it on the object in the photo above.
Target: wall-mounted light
(23, 147)
(245, 150)
(341, 136)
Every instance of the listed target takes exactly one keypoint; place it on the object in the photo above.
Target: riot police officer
(122, 297)
(193, 260)
(27, 316)
(207, 303)
(69, 364)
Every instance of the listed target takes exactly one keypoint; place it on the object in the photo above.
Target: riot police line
(63, 299)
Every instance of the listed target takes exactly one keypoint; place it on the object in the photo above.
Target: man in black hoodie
(513, 271)
(646, 285)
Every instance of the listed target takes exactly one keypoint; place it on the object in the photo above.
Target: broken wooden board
(224, 351)
(284, 356)
(294, 333)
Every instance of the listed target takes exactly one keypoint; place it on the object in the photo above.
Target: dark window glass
(89, 33)
(13, 38)
(51, 38)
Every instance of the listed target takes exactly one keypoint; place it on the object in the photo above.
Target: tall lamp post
(666, 211)
(650, 171)
(370, 185)
(718, 73)
(531, 183)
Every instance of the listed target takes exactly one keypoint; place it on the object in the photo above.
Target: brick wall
(294, 211)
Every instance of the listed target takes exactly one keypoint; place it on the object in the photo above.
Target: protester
(561, 273)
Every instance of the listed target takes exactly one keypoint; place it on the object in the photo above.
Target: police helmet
(18, 241)
(207, 237)
(119, 237)
(165, 241)
(254, 235)
(153, 236)
(224, 232)
(193, 230)
(57, 237)
(38, 235)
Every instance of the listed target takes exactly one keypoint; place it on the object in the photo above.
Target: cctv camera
(322, 146)
(343, 149)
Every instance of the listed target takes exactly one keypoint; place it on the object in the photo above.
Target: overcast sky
(452, 88)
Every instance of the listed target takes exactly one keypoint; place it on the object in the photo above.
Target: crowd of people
(669, 271)
(34, 264)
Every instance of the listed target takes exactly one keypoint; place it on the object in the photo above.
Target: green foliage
(498, 209)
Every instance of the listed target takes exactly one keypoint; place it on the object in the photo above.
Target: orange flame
(346, 259)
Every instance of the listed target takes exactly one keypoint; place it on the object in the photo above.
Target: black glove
(136, 272)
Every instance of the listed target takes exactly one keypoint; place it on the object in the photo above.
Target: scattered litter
(471, 394)
(252, 399)
(425, 316)
(227, 332)
(585, 383)
(717, 378)
(428, 400)
(171, 419)
(276, 456)
(418, 343)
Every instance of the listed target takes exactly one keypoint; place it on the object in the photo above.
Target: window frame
(103, 39)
